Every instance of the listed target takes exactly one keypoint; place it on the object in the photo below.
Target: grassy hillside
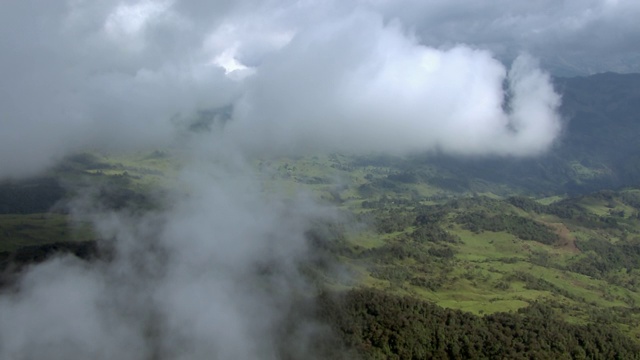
(484, 253)
(34, 212)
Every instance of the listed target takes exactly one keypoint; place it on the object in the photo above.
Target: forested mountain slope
(429, 256)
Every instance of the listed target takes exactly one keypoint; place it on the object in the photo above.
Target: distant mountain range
(599, 147)
(578, 65)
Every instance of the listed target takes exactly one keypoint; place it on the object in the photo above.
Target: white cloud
(130, 19)
(357, 84)
(74, 77)
(79, 72)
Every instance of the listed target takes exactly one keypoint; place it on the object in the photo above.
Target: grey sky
(569, 36)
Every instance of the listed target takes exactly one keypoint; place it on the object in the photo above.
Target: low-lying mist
(213, 273)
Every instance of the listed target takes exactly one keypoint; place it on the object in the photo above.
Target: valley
(486, 240)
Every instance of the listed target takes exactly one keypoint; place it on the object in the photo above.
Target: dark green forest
(382, 326)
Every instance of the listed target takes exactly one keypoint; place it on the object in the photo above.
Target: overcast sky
(377, 75)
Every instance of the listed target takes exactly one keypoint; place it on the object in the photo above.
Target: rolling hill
(487, 248)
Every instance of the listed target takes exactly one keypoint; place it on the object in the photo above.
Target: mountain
(599, 147)
(432, 255)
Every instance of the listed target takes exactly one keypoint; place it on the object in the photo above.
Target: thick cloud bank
(126, 74)
(357, 84)
(299, 75)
